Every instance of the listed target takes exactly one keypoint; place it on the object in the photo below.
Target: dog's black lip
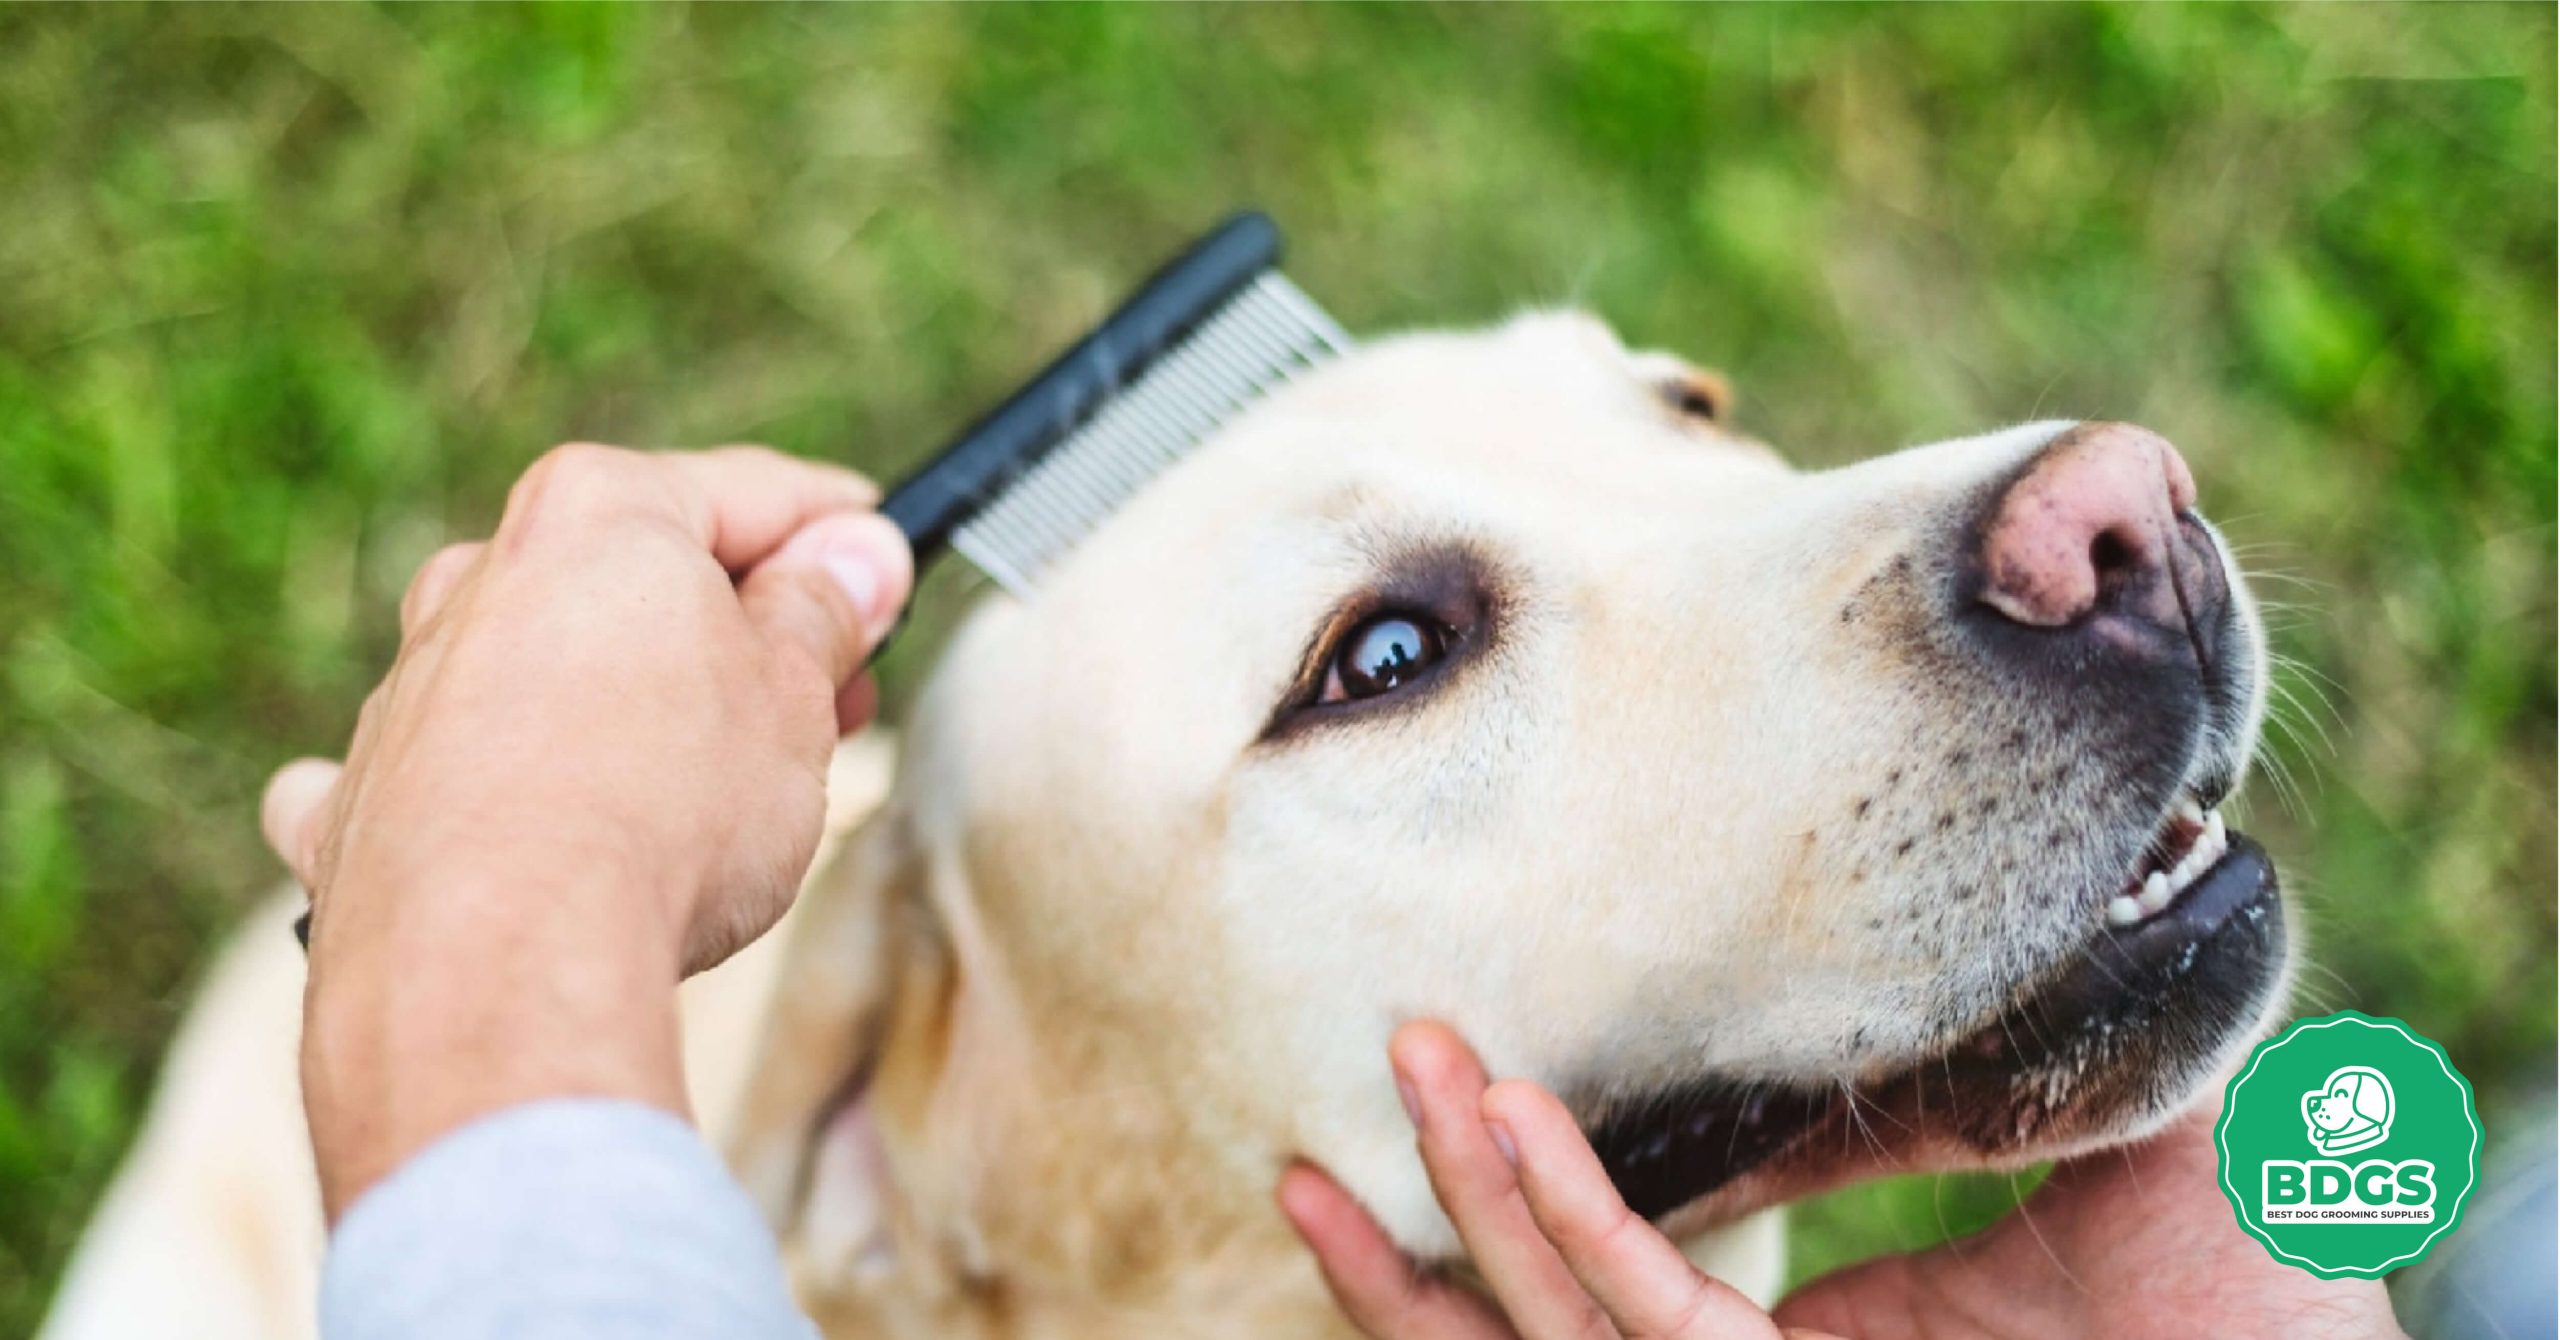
(1685, 1143)
(2240, 885)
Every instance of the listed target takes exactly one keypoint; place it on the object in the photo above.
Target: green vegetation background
(288, 295)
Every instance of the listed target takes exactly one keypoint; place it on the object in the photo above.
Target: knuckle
(571, 477)
(1682, 1321)
(1605, 1234)
(448, 556)
(1402, 1306)
(441, 567)
(580, 457)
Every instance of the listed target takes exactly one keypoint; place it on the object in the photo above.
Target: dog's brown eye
(1383, 655)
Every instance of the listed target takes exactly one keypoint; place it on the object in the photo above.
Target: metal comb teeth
(1265, 335)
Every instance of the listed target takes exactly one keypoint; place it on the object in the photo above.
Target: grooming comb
(1200, 340)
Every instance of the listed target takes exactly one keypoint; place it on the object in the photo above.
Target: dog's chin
(2106, 1047)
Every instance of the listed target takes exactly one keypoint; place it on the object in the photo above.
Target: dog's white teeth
(2162, 887)
(2210, 845)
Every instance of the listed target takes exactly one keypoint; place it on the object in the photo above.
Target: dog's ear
(1699, 393)
(1700, 396)
(812, 1041)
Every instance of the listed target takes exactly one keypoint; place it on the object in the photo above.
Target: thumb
(833, 590)
(293, 813)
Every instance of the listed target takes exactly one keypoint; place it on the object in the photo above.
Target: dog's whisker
(2320, 992)
(2310, 680)
(1954, 1242)
(2303, 716)
(2310, 584)
(2027, 1217)
(2289, 793)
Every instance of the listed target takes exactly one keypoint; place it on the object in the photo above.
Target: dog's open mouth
(2187, 946)
(2188, 846)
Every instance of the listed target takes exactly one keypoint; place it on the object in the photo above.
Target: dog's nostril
(2116, 559)
(2109, 553)
(2087, 526)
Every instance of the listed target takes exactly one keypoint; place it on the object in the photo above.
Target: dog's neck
(1036, 1177)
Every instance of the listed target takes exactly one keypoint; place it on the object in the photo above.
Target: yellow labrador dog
(1792, 827)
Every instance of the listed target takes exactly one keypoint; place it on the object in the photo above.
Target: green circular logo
(2348, 1145)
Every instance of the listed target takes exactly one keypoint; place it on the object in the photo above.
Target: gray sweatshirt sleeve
(570, 1219)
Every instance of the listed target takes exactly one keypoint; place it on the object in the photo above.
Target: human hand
(597, 764)
(2124, 1243)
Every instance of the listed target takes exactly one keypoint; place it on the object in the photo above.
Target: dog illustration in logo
(2350, 1112)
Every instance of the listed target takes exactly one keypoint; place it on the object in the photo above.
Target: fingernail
(1502, 1141)
(854, 575)
(1412, 1104)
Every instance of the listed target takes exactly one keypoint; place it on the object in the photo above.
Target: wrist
(437, 999)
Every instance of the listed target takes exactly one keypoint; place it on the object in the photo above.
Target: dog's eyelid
(1319, 663)
(1445, 590)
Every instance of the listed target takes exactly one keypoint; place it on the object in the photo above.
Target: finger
(738, 503)
(443, 570)
(856, 704)
(292, 812)
(1853, 1296)
(832, 591)
(1635, 1273)
(1377, 1286)
(1481, 1194)
(751, 500)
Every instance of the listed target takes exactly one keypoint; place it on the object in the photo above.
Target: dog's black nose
(2095, 539)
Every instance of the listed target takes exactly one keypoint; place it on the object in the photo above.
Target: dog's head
(1789, 825)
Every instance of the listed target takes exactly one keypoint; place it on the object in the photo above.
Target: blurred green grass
(288, 295)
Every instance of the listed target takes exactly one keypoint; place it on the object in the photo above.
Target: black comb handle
(935, 500)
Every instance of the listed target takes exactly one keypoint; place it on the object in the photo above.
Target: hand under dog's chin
(2105, 1047)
